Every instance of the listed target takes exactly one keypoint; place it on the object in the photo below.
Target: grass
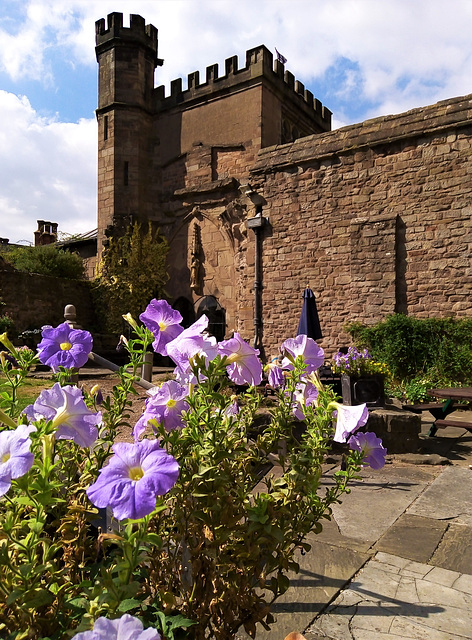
(29, 390)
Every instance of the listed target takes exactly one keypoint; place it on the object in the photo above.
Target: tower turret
(127, 58)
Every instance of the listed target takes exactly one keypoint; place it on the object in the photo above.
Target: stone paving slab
(448, 497)
(379, 499)
(394, 598)
(455, 549)
(413, 537)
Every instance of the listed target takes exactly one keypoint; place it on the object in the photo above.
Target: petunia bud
(130, 320)
(96, 391)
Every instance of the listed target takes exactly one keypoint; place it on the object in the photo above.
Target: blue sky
(361, 58)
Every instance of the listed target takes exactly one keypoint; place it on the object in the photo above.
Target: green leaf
(153, 538)
(38, 598)
(128, 604)
(283, 582)
(14, 595)
(78, 604)
(35, 526)
(25, 500)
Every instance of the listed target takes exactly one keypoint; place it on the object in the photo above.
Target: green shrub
(132, 272)
(6, 325)
(46, 260)
(420, 353)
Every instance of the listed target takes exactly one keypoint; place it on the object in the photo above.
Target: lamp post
(257, 224)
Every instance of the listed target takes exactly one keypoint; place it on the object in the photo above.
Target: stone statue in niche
(195, 261)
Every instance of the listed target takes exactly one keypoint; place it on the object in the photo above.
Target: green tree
(46, 260)
(132, 272)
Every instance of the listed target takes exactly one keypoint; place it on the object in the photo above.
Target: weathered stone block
(398, 430)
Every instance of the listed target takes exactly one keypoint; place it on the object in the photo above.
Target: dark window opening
(126, 174)
(105, 128)
(216, 315)
(186, 310)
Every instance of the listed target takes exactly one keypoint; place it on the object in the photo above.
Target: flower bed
(196, 551)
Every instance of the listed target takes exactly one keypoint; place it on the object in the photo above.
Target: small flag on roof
(280, 57)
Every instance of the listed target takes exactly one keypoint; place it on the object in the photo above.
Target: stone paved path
(395, 562)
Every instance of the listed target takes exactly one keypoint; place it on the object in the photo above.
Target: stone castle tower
(258, 198)
(181, 159)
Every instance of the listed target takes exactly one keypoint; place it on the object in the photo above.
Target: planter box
(368, 389)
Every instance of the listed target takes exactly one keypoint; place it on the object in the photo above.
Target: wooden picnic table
(453, 393)
(450, 396)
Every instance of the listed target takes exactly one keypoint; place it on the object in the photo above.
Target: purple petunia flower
(191, 342)
(125, 628)
(232, 410)
(302, 345)
(305, 395)
(16, 458)
(165, 405)
(349, 419)
(370, 447)
(70, 415)
(243, 364)
(134, 477)
(163, 322)
(64, 347)
(275, 375)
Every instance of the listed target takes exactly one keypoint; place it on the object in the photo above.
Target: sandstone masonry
(374, 217)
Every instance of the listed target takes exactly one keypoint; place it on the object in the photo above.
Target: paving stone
(455, 550)
(406, 629)
(387, 603)
(379, 500)
(443, 576)
(326, 569)
(331, 534)
(464, 583)
(448, 497)
(413, 537)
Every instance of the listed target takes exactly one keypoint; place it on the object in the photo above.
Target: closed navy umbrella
(309, 324)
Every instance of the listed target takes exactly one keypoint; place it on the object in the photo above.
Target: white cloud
(392, 42)
(48, 171)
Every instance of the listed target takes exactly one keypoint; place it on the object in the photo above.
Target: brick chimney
(46, 233)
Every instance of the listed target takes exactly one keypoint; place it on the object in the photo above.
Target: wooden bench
(437, 409)
(440, 411)
(461, 424)
(424, 406)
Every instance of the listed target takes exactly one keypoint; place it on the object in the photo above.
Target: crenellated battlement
(137, 32)
(259, 64)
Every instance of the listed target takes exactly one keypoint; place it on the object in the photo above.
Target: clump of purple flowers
(165, 405)
(352, 363)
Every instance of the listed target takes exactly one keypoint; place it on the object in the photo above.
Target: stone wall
(375, 217)
(32, 300)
